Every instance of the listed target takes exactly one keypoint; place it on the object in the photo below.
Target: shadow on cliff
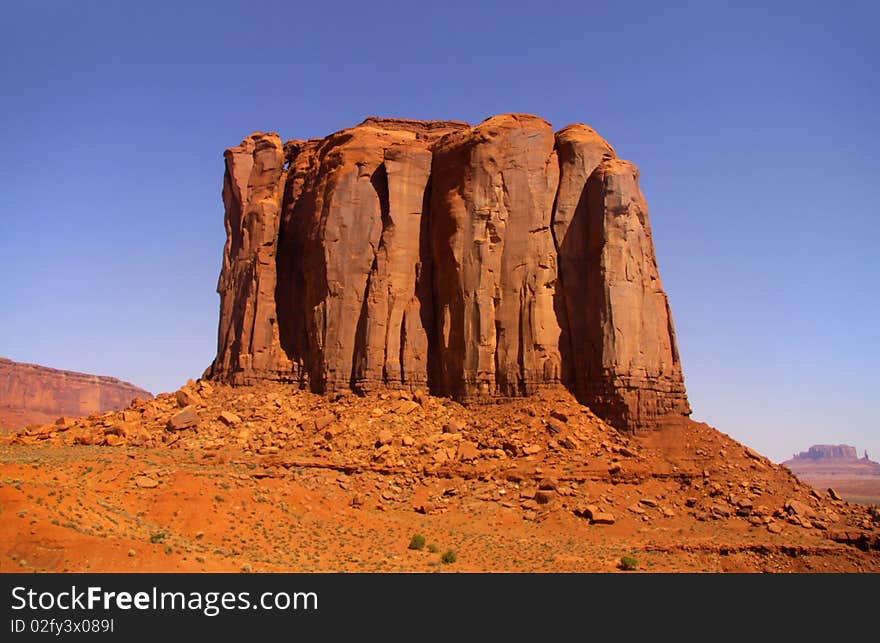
(290, 290)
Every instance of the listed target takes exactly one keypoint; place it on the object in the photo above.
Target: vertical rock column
(248, 347)
(495, 263)
(633, 373)
(580, 150)
(353, 258)
(395, 346)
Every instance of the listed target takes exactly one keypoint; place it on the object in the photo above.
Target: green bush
(158, 537)
(449, 556)
(417, 542)
(628, 563)
(433, 548)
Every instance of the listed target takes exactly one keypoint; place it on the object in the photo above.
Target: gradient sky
(755, 127)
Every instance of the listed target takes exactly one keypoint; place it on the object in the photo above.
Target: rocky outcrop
(476, 262)
(622, 354)
(249, 339)
(31, 394)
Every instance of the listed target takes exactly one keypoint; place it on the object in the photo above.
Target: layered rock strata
(32, 394)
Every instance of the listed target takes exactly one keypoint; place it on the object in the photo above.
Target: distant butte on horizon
(34, 394)
(830, 452)
(474, 262)
(838, 466)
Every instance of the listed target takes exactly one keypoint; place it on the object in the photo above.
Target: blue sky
(755, 126)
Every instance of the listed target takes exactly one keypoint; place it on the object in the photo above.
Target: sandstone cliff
(475, 262)
(31, 394)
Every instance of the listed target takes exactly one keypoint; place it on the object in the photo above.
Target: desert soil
(267, 479)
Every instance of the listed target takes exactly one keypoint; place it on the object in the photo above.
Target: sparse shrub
(417, 542)
(449, 556)
(158, 537)
(628, 563)
(433, 548)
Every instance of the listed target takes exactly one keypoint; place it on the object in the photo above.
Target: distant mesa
(32, 394)
(828, 452)
(475, 262)
(838, 466)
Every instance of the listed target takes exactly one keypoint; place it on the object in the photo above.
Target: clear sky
(755, 126)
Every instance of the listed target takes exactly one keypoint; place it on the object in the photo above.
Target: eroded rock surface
(474, 262)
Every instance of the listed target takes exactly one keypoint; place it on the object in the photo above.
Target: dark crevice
(290, 289)
(402, 349)
(379, 181)
(500, 383)
(359, 355)
(426, 293)
(359, 364)
(560, 303)
(520, 349)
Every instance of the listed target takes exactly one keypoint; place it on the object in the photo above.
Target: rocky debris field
(270, 478)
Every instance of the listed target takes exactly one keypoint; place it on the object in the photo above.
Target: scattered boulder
(548, 484)
(602, 518)
(454, 426)
(186, 398)
(544, 496)
(798, 508)
(385, 437)
(405, 407)
(324, 420)
(554, 428)
(229, 418)
(467, 451)
(146, 482)
(184, 419)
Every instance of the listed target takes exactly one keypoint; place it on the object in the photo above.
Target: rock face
(252, 191)
(474, 262)
(31, 394)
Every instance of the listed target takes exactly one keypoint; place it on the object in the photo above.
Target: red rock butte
(474, 262)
